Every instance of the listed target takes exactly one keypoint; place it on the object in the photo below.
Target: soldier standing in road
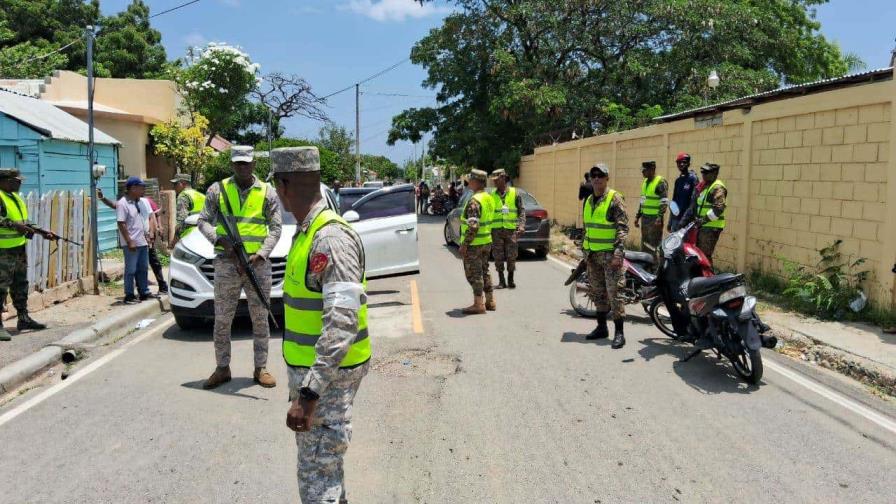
(508, 224)
(476, 243)
(606, 227)
(14, 236)
(709, 208)
(255, 213)
(684, 189)
(652, 210)
(326, 344)
(189, 202)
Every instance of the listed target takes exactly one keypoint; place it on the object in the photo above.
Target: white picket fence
(53, 263)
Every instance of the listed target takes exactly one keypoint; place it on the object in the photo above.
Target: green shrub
(827, 289)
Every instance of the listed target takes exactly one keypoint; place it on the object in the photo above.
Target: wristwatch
(308, 394)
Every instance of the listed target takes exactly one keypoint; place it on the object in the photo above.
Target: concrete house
(49, 147)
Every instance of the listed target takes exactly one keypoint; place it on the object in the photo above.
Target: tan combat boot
(263, 378)
(477, 308)
(219, 377)
(490, 301)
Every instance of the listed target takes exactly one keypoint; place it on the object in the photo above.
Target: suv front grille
(278, 270)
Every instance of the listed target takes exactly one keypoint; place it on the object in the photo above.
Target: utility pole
(270, 138)
(94, 234)
(358, 135)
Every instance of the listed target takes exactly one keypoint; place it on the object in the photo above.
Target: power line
(399, 95)
(368, 79)
(47, 55)
(181, 6)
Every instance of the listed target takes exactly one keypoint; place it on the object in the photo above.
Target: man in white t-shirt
(133, 213)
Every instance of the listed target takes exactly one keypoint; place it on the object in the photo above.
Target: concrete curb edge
(119, 324)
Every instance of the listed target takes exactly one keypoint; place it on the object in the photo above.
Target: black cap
(709, 168)
(646, 165)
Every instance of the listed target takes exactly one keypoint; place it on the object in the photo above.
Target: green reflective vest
(506, 212)
(303, 308)
(249, 217)
(16, 211)
(650, 202)
(197, 203)
(487, 214)
(703, 207)
(600, 233)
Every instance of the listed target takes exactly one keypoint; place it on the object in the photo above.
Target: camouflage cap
(10, 173)
(600, 170)
(709, 168)
(499, 173)
(182, 177)
(479, 175)
(295, 160)
(242, 154)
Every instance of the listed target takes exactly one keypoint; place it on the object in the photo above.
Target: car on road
(384, 219)
(538, 228)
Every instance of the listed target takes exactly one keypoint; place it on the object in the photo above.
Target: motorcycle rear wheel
(580, 300)
(748, 365)
(659, 315)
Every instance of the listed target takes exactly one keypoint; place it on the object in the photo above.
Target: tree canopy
(514, 74)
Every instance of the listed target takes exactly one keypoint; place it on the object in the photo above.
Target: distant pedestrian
(153, 227)
(132, 212)
(189, 202)
(685, 186)
(423, 197)
(652, 208)
(508, 224)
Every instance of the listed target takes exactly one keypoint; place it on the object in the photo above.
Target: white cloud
(394, 10)
(195, 39)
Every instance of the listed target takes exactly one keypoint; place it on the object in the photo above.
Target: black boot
(502, 284)
(618, 336)
(26, 322)
(510, 282)
(601, 330)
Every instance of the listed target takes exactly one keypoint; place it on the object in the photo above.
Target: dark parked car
(349, 195)
(538, 228)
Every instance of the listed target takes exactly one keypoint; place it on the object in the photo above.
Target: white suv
(384, 219)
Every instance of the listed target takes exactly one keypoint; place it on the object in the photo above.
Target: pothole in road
(418, 362)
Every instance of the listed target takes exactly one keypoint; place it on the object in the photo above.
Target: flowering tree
(216, 83)
(185, 146)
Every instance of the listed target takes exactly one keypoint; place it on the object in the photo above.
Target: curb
(119, 324)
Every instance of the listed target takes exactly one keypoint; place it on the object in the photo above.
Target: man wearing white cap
(326, 344)
(253, 209)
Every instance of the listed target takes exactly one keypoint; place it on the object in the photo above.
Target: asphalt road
(510, 407)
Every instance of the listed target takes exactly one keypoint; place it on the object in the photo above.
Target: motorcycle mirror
(673, 207)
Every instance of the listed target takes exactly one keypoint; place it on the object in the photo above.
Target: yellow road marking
(416, 317)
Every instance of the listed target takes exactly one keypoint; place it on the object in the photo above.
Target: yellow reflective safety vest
(197, 203)
(600, 233)
(703, 207)
(303, 308)
(506, 212)
(249, 217)
(16, 211)
(650, 202)
(486, 217)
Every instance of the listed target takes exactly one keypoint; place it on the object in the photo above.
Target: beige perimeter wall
(801, 173)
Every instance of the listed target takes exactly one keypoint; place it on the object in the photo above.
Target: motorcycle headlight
(184, 255)
(671, 243)
(734, 293)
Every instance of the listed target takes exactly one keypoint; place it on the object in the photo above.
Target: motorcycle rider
(606, 227)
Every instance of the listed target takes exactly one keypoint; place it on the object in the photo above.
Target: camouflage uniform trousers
(707, 238)
(476, 268)
(322, 449)
(228, 283)
(605, 282)
(651, 234)
(14, 277)
(504, 249)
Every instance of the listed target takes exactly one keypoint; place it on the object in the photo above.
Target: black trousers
(157, 269)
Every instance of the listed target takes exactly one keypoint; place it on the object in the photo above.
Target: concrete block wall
(801, 173)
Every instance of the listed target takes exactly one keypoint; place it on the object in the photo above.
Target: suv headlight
(184, 255)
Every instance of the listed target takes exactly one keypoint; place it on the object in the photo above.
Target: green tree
(185, 146)
(342, 142)
(128, 47)
(513, 74)
(384, 167)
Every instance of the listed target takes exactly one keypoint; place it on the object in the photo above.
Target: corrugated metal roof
(809, 87)
(47, 119)
(30, 87)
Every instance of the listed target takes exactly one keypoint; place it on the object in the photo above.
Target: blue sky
(335, 43)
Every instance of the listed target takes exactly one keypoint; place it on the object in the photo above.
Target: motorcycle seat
(641, 257)
(701, 286)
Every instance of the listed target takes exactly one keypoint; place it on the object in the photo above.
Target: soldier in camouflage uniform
(325, 368)
(652, 208)
(504, 238)
(476, 244)
(606, 227)
(229, 279)
(708, 209)
(14, 237)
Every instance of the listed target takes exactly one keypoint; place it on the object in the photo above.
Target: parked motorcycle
(711, 311)
(440, 205)
(638, 279)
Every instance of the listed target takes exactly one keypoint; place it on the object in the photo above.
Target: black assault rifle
(34, 228)
(240, 251)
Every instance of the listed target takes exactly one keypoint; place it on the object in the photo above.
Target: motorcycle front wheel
(748, 365)
(659, 315)
(580, 300)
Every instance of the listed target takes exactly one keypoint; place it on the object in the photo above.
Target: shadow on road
(240, 330)
(382, 292)
(571, 337)
(704, 373)
(458, 313)
(231, 388)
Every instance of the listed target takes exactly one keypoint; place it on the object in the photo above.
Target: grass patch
(116, 254)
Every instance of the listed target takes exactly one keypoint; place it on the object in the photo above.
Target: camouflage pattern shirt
(471, 214)
(184, 205)
(616, 214)
(209, 215)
